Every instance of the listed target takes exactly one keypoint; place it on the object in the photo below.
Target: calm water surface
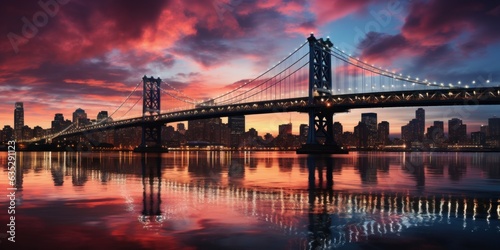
(254, 200)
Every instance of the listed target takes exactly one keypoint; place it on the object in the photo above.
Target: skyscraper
(439, 125)
(18, 120)
(7, 133)
(420, 116)
(478, 138)
(304, 130)
(208, 130)
(103, 115)
(457, 132)
(285, 129)
(383, 132)
(59, 123)
(409, 131)
(485, 129)
(370, 119)
(494, 127)
(435, 133)
(80, 117)
(338, 130)
(361, 135)
(236, 125)
(181, 128)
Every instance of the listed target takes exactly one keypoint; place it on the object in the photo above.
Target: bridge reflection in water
(337, 218)
(321, 217)
(312, 202)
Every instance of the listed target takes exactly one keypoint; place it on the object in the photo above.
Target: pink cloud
(331, 10)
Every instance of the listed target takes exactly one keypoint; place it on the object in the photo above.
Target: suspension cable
(337, 53)
(264, 82)
(126, 99)
(265, 72)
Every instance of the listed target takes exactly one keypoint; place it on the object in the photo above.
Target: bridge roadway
(337, 103)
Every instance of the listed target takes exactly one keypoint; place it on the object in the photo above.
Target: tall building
(420, 129)
(236, 125)
(435, 133)
(18, 120)
(361, 133)
(383, 132)
(285, 129)
(213, 130)
(208, 130)
(103, 115)
(494, 127)
(7, 133)
(338, 130)
(59, 123)
(409, 131)
(457, 132)
(38, 131)
(26, 132)
(439, 125)
(225, 132)
(303, 132)
(485, 129)
(80, 117)
(370, 119)
(181, 128)
(478, 138)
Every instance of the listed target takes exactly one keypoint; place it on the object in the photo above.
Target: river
(252, 200)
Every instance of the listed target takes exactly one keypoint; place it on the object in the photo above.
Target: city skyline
(202, 51)
(369, 131)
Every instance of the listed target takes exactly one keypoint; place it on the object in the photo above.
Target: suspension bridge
(319, 79)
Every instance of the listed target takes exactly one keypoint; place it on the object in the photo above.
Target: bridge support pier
(151, 130)
(320, 138)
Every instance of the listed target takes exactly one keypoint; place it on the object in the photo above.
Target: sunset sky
(71, 54)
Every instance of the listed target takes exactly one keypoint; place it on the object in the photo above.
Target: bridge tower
(320, 139)
(151, 131)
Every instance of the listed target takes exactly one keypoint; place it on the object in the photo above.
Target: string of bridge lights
(360, 63)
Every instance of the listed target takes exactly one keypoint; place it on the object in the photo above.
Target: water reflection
(311, 202)
(151, 216)
(337, 218)
(318, 164)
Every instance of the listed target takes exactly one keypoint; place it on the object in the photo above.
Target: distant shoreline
(2, 149)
